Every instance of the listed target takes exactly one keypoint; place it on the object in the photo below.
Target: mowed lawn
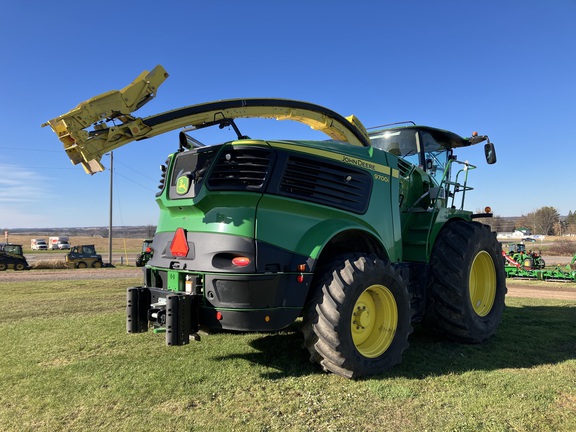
(67, 364)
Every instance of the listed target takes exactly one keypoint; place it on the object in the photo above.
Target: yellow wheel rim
(482, 283)
(374, 321)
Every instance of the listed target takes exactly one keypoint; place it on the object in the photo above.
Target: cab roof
(445, 138)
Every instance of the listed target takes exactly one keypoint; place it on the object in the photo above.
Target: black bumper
(266, 302)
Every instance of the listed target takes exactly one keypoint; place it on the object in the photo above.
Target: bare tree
(570, 222)
(499, 224)
(542, 221)
(150, 230)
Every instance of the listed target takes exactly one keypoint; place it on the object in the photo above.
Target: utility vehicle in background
(83, 256)
(12, 257)
(38, 244)
(59, 243)
(361, 235)
(146, 253)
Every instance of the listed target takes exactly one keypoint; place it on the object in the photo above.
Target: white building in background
(520, 234)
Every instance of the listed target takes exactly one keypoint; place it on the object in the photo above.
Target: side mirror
(490, 153)
(430, 167)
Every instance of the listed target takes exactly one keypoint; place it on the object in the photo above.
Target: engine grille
(309, 178)
(326, 183)
(240, 168)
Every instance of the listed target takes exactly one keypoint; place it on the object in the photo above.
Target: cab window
(402, 143)
(435, 157)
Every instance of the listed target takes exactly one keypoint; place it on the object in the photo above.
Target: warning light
(179, 246)
(241, 261)
(301, 267)
(488, 209)
(219, 316)
(474, 134)
(267, 318)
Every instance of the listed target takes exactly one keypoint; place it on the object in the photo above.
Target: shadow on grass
(528, 336)
(284, 353)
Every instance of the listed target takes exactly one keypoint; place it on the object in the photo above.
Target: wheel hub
(374, 321)
(362, 317)
(482, 284)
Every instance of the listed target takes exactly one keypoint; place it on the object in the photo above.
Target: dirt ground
(69, 274)
(516, 287)
(540, 289)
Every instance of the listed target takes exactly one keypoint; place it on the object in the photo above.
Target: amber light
(301, 267)
(241, 261)
(179, 246)
(488, 209)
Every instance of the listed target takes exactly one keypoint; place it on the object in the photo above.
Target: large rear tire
(467, 282)
(359, 319)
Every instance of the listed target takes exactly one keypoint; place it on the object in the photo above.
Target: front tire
(358, 322)
(467, 282)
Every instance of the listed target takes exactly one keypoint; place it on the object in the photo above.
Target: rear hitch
(178, 316)
(137, 304)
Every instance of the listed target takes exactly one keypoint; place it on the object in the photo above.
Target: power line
(28, 149)
(133, 181)
(137, 172)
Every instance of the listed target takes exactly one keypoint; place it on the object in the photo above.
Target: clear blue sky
(506, 69)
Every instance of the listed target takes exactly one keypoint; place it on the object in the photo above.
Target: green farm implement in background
(519, 264)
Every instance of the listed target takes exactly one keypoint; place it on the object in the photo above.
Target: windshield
(416, 146)
(13, 249)
(401, 143)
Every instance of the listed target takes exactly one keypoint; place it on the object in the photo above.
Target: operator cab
(417, 145)
(429, 151)
(10, 248)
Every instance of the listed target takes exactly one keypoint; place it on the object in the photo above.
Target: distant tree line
(545, 221)
(141, 231)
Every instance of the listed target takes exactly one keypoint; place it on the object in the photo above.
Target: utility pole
(110, 217)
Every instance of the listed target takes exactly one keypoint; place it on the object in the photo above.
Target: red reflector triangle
(179, 246)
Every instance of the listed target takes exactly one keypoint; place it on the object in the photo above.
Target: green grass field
(67, 364)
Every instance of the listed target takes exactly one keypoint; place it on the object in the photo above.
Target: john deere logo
(183, 185)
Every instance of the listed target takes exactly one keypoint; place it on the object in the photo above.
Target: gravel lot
(538, 289)
(516, 287)
(69, 274)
